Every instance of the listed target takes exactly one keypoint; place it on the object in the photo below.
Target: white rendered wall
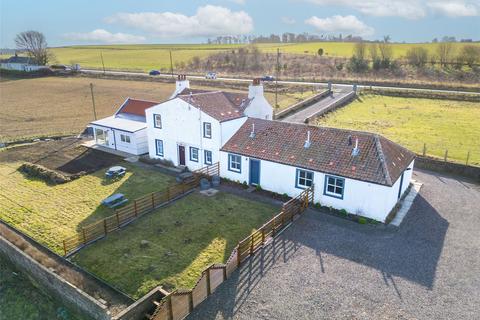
(138, 140)
(182, 124)
(366, 199)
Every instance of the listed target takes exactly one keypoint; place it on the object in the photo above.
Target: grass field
(184, 238)
(59, 106)
(441, 124)
(148, 57)
(50, 213)
(20, 299)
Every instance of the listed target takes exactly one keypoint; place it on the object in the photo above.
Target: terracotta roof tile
(136, 107)
(220, 105)
(379, 161)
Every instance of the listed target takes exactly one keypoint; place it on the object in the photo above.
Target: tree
(445, 53)
(417, 56)
(470, 55)
(35, 44)
(373, 52)
(357, 62)
(320, 52)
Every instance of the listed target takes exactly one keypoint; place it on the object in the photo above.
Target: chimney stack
(307, 142)
(255, 89)
(181, 83)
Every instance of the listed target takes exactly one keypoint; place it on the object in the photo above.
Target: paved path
(340, 85)
(304, 113)
(324, 267)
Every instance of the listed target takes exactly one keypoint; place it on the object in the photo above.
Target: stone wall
(448, 167)
(64, 291)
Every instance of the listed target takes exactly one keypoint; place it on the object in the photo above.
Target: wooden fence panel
(162, 312)
(199, 292)
(217, 276)
(180, 305)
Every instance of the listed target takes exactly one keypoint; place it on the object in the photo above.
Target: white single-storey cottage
(126, 130)
(191, 127)
(363, 173)
(18, 63)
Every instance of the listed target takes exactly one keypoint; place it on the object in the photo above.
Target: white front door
(101, 137)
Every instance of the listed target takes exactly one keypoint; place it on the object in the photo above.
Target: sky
(187, 21)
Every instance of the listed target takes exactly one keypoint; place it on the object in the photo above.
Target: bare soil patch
(66, 155)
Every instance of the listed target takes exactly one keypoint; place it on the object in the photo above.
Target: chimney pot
(307, 142)
(355, 150)
(252, 133)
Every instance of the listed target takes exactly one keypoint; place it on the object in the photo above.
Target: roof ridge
(143, 100)
(199, 93)
(381, 156)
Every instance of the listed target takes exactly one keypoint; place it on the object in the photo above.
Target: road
(338, 85)
(319, 106)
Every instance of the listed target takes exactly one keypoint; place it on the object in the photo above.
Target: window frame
(209, 136)
(334, 194)
(205, 152)
(297, 177)
(155, 120)
(230, 158)
(190, 153)
(125, 138)
(156, 148)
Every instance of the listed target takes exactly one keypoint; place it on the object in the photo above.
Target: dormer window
(207, 130)
(157, 121)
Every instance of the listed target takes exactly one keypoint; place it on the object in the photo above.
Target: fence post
(251, 244)
(64, 247)
(190, 301)
(135, 206)
(238, 255)
(170, 307)
(153, 200)
(168, 194)
(263, 236)
(209, 288)
(224, 273)
(424, 149)
(118, 219)
(84, 236)
(446, 155)
(105, 226)
(273, 228)
(468, 158)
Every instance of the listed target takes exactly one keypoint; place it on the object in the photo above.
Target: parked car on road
(211, 75)
(154, 73)
(268, 78)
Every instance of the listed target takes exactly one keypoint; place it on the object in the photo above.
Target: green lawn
(20, 299)
(156, 56)
(185, 238)
(441, 124)
(51, 213)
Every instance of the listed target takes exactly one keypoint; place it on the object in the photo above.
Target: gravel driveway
(324, 267)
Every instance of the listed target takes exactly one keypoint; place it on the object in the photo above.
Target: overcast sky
(188, 21)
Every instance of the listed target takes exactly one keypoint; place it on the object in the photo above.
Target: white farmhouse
(126, 130)
(191, 127)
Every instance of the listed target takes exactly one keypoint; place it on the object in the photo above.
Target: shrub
(258, 187)
(343, 212)
(357, 64)
(153, 161)
(362, 220)
(47, 175)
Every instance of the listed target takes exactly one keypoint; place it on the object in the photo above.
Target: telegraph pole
(276, 77)
(171, 63)
(103, 64)
(93, 102)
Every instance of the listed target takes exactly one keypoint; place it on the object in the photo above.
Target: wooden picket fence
(135, 209)
(180, 303)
